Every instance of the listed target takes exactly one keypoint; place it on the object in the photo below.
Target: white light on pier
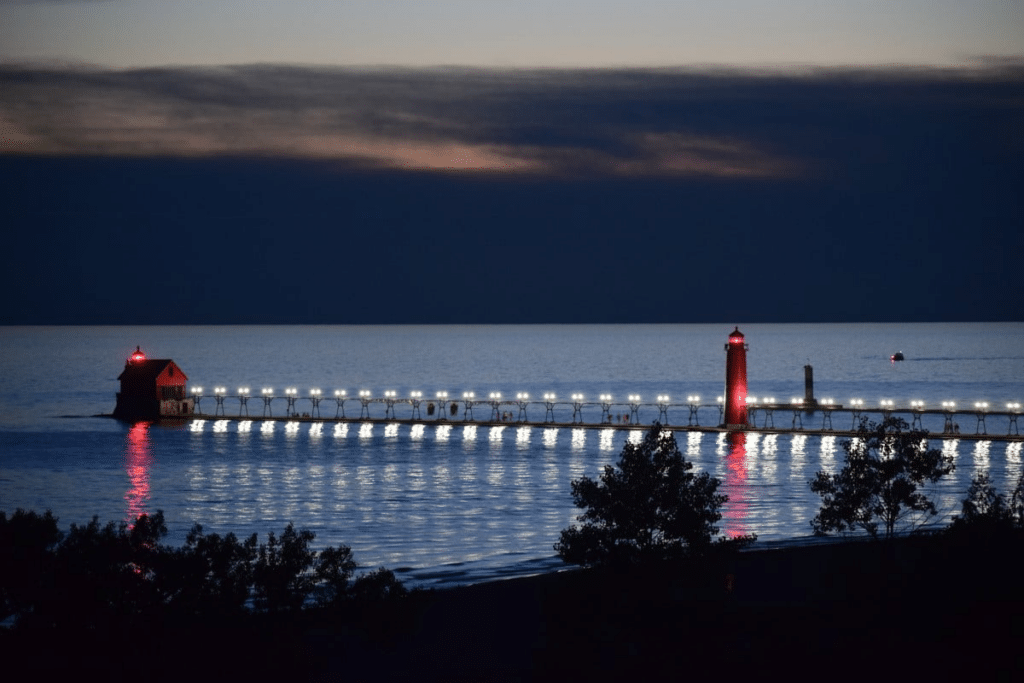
(768, 399)
(496, 395)
(416, 394)
(197, 391)
(291, 391)
(468, 394)
(634, 398)
(1013, 406)
(522, 396)
(442, 394)
(267, 391)
(339, 392)
(949, 405)
(390, 393)
(577, 397)
(664, 398)
(856, 402)
(827, 401)
(917, 405)
(315, 392)
(721, 399)
(689, 399)
(219, 390)
(549, 397)
(752, 400)
(886, 403)
(605, 398)
(981, 405)
(364, 393)
(797, 401)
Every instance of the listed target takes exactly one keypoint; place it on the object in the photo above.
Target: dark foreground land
(925, 609)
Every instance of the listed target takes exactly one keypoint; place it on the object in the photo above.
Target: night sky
(286, 189)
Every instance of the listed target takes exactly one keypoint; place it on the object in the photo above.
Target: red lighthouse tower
(736, 381)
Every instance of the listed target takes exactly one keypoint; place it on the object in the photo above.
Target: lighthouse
(735, 381)
(152, 389)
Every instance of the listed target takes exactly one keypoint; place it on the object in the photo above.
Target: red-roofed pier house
(152, 389)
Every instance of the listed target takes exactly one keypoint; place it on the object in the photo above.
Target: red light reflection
(735, 512)
(137, 459)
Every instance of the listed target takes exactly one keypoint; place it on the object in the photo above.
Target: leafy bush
(878, 490)
(986, 512)
(649, 506)
(98, 576)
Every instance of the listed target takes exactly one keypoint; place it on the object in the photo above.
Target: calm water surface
(457, 502)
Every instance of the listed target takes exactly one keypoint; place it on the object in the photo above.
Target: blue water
(449, 502)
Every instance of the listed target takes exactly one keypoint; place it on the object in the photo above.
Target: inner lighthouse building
(151, 389)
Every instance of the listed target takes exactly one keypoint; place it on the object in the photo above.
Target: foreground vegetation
(96, 577)
(658, 598)
(650, 506)
(913, 606)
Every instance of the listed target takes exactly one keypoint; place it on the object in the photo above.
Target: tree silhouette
(986, 512)
(283, 576)
(878, 490)
(210, 574)
(27, 564)
(649, 506)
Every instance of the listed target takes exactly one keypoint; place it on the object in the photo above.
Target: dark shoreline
(926, 606)
(922, 606)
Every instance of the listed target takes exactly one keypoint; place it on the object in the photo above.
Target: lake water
(460, 502)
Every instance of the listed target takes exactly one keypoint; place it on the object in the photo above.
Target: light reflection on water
(735, 485)
(828, 454)
(693, 441)
(405, 497)
(1013, 454)
(980, 456)
(137, 459)
(606, 442)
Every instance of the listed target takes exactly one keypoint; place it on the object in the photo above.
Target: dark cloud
(289, 194)
(532, 122)
(628, 122)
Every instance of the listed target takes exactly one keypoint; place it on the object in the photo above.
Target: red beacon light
(138, 356)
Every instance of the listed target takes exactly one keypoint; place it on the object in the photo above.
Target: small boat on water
(896, 356)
